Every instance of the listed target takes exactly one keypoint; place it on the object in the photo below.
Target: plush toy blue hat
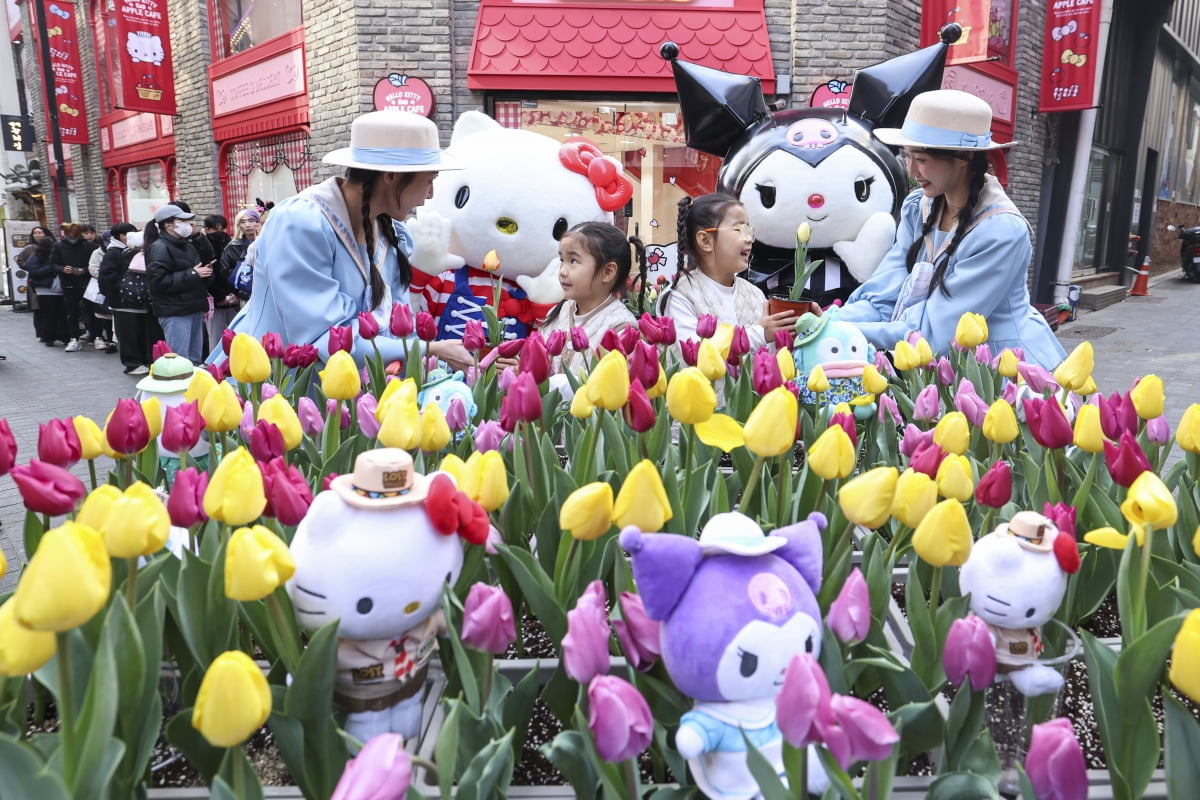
(809, 326)
(393, 141)
(736, 534)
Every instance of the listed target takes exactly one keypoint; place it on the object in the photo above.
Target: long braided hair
(977, 167)
(366, 179)
(705, 211)
(606, 242)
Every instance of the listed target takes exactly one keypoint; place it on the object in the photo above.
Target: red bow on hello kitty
(613, 189)
(451, 511)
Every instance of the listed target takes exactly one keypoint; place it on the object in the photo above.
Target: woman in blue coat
(340, 247)
(961, 245)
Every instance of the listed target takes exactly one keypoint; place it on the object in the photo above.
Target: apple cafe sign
(405, 93)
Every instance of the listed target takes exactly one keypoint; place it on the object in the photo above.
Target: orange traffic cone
(1141, 284)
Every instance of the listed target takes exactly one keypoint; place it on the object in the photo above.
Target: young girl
(714, 246)
(596, 261)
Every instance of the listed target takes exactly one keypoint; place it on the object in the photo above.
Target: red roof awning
(569, 46)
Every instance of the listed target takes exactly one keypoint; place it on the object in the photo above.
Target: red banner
(1069, 55)
(972, 17)
(143, 40)
(68, 76)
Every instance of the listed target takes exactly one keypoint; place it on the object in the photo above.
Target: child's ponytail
(639, 250)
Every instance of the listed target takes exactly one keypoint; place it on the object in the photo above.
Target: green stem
(889, 555)
(66, 711)
(526, 430)
(1139, 599)
(289, 650)
(795, 763)
(428, 766)
(784, 474)
(255, 397)
(45, 525)
(92, 472)
(935, 591)
(485, 685)
(752, 483)
(131, 583)
(629, 769)
(559, 580)
(239, 782)
(127, 469)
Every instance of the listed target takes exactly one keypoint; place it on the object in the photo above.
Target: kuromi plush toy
(735, 606)
(842, 352)
(1017, 577)
(374, 552)
(517, 194)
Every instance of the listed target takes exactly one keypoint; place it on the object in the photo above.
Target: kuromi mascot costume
(518, 193)
(735, 607)
(815, 165)
(1017, 577)
(374, 552)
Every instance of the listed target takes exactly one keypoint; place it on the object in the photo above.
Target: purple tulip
(340, 412)
(706, 326)
(506, 378)
(973, 407)
(867, 731)
(945, 371)
(556, 342)
(1062, 515)
(367, 423)
(185, 504)
(764, 372)
(619, 718)
(585, 647)
(1055, 762)
(246, 426)
(456, 414)
(995, 487)
(850, 613)
(58, 443)
(579, 339)
(970, 652)
(1117, 415)
(803, 698)
(884, 365)
(1009, 393)
(928, 406)
(637, 633)
(913, 439)
(489, 436)
(474, 337)
(888, 408)
(522, 403)
(1047, 422)
(311, 421)
(1158, 430)
(983, 353)
(269, 390)
(381, 771)
(1038, 378)
(1125, 461)
(488, 623)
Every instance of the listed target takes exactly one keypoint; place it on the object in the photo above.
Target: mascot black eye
(462, 196)
(749, 664)
(808, 644)
(364, 605)
(766, 194)
(560, 227)
(1031, 612)
(862, 189)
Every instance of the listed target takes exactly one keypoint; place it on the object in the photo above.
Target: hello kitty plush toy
(517, 194)
(374, 552)
(735, 606)
(1017, 577)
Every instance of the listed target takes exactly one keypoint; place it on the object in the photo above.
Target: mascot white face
(514, 195)
(1011, 584)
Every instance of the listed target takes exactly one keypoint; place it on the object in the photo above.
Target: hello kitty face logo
(812, 133)
(770, 595)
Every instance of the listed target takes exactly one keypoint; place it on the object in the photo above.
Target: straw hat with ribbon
(393, 141)
(945, 119)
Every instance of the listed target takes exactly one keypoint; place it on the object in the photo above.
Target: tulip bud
(642, 500)
(185, 504)
(182, 427)
(137, 523)
(22, 651)
(1148, 398)
(689, 351)
(1047, 423)
(47, 489)
(1006, 364)
(581, 407)
(257, 562)
(953, 433)
(971, 331)
(1185, 657)
(91, 444)
(867, 499)
(522, 403)
(579, 339)
(248, 360)
(127, 431)
(770, 429)
(803, 697)
(1000, 423)
(585, 647)
(916, 494)
(488, 622)
(426, 326)
(235, 493)
(927, 459)
(587, 512)
(382, 770)
(1076, 368)
(706, 326)
(970, 652)
(786, 365)
(1062, 515)
(279, 412)
(954, 478)
(221, 409)
(1055, 763)
(639, 411)
(710, 361)
(66, 582)
(489, 435)
(927, 406)
(943, 537)
(970, 403)
(1187, 435)
(1149, 502)
(487, 479)
(435, 433)
(8, 446)
(832, 455)
(340, 379)
(995, 487)
(690, 396)
(619, 719)
(873, 381)
(817, 382)
(850, 613)
(608, 385)
(1125, 462)
(905, 356)
(234, 700)
(96, 507)
(638, 635)
(58, 443)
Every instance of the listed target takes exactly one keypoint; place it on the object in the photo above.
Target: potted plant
(803, 271)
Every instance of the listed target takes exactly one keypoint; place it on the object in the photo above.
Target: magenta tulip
(382, 770)
(803, 698)
(669, 334)
(288, 493)
(401, 321)
(928, 406)
(638, 635)
(579, 339)
(764, 372)
(185, 504)
(973, 407)
(650, 329)
(1126, 460)
(535, 358)
(706, 326)
(556, 342)
(160, 349)
(628, 336)
(341, 338)
(266, 441)
(1047, 422)
(846, 421)
(226, 340)
(995, 487)
(298, 356)
(619, 718)
(585, 647)
(1117, 415)
(913, 439)
(1062, 515)
(127, 430)
(1158, 430)
(367, 423)
(867, 731)
(474, 336)
(1055, 763)
(739, 345)
(889, 410)
(690, 350)
(510, 348)
(58, 443)
(927, 459)
(611, 341)
(219, 371)
(850, 613)
(970, 652)
(8, 448)
(273, 344)
(522, 403)
(368, 326)
(643, 363)
(639, 411)
(489, 435)
(456, 415)
(426, 327)
(47, 488)
(1037, 378)
(488, 622)
(784, 338)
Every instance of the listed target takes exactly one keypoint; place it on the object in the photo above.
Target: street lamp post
(60, 172)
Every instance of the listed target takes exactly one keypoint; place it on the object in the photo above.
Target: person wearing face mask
(70, 257)
(178, 281)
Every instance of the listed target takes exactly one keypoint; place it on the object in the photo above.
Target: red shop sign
(404, 93)
(68, 76)
(1069, 55)
(144, 42)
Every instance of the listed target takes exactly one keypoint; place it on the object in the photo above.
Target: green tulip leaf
(237, 771)
(516, 709)
(205, 758)
(489, 773)
(445, 752)
(959, 785)
(568, 752)
(919, 723)
(1181, 744)
(1140, 665)
(963, 725)
(770, 785)
(32, 533)
(24, 774)
(538, 590)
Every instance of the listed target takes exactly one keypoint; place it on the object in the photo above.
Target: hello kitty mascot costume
(517, 194)
(735, 607)
(374, 552)
(1017, 578)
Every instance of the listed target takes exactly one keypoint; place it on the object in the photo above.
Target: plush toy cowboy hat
(393, 141)
(944, 119)
(169, 374)
(736, 534)
(382, 478)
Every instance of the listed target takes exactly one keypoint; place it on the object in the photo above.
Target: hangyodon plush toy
(735, 607)
(517, 194)
(374, 552)
(842, 352)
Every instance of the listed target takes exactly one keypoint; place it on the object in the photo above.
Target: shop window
(241, 24)
(269, 169)
(146, 191)
(1002, 21)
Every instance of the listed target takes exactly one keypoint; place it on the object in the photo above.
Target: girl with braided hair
(340, 248)
(962, 245)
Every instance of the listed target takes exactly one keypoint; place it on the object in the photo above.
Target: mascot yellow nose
(506, 225)
(411, 607)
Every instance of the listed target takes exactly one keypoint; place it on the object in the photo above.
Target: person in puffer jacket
(178, 281)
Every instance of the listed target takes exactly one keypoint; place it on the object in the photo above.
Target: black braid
(639, 248)
(977, 164)
(914, 251)
(368, 184)
(683, 247)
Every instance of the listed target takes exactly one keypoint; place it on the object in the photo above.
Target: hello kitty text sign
(144, 39)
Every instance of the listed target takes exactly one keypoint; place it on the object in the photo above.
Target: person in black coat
(49, 323)
(70, 257)
(178, 279)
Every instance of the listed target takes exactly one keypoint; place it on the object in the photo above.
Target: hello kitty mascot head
(1017, 577)
(374, 553)
(517, 194)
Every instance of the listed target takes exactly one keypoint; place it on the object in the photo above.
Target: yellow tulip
(803, 233)
(721, 431)
(1008, 363)
(248, 361)
(491, 261)
(771, 427)
(873, 380)
(22, 651)
(257, 562)
(3, 564)
(1000, 423)
(221, 409)
(916, 493)
(435, 433)
(104, 445)
(199, 386)
(401, 426)
(1089, 435)
(485, 479)
(905, 356)
(279, 412)
(1187, 435)
(710, 361)
(608, 385)
(137, 523)
(1110, 538)
(1148, 398)
(971, 331)
(690, 396)
(817, 382)
(235, 491)
(91, 438)
(581, 407)
(660, 386)
(642, 500)
(587, 512)
(1088, 388)
(1075, 369)
(455, 467)
(404, 391)
(66, 582)
(953, 433)
(943, 537)
(833, 454)
(954, 478)
(1196, 541)
(722, 339)
(154, 415)
(787, 364)
(867, 500)
(97, 505)
(1149, 502)
(1185, 658)
(924, 353)
(340, 379)
(234, 700)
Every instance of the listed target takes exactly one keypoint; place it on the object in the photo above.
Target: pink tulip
(995, 487)
(426, 327)
(488, 623)
(1055, 763)
(643, 364)
(1117, 415)
(579, 339)
(803, 698)
(1062, 515)
(1047, 422)
(764, 372)
(311, 421)
(927, 459)
(288, 493)
(510, 348)
(506, 378)
(401, 321)
(456, 415)
(1158, 430)
(341, 338)
(8, 448)
(973, 407)
(381, 771)
(784, 338)
(945, 371)
(489, 435)
(365, 407)
(619, 718)
(269, 390)
(669, 335)
(690, 350)
(706, 326)
(983, 353)
(266, 441)
(1038, 378)
(867, 731)
(928, 406)
(522, 403)
(970, 652)
(639, 411)
(850, 613)
(227, 340)
(535, 359)
(628, 336)
(637, 634)
(58, 443)
(556, 342)
(246, 425)
(273, 344)
(1009, 393)
(474, 336)
(47, 488)
(185, 504)
(585, 647)
(739, 345)
(889, 409)
(884, 365)
(161, 348)
(368, 326)
(1125, 461)
(650, 329)
(127, 430)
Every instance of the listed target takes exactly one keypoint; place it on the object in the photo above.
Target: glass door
(1090, 255)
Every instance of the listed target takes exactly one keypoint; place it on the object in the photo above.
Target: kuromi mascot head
(374, 553)
(1017, 577)
(734, 607)
(517, 194)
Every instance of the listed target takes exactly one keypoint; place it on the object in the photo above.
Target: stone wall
(1164, 255)
(197, 180)
(334, 94)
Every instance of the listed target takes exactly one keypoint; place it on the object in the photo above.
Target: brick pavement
(1139, 336)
